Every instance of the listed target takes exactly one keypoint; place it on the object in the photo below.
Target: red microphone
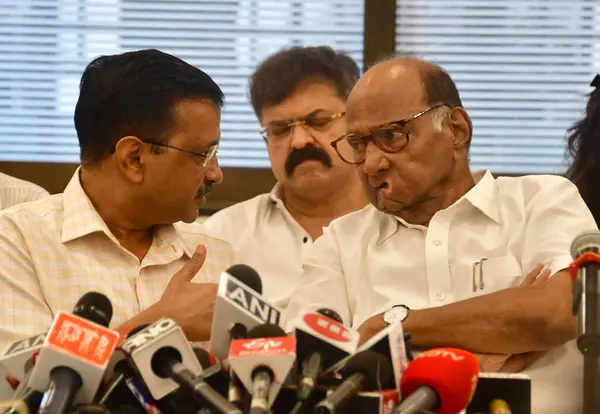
(441, 380)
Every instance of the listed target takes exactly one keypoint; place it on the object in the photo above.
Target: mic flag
(277, 353)
(78, 344)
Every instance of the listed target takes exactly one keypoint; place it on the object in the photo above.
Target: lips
(379, 185)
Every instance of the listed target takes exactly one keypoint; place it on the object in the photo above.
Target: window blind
(522, 68)
(45, 45)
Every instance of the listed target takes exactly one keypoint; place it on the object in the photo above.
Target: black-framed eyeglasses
(390, 137)
(203, 157)
(317, 120)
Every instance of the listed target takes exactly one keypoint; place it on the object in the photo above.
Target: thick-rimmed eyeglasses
(317, 120)
(390, 137)
(202, 158)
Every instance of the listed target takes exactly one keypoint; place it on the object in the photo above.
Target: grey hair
(438, 116)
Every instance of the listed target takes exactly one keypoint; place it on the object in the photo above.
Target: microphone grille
(377, 369)
(331, 314)
(247, 276)
(588, 241)
(267, 330)
(94, 307)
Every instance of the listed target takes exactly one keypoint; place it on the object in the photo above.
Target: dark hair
(584, 146)
(135, 93)
(279, 75)
(439, 87)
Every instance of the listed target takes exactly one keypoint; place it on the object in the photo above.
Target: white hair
(438, 116)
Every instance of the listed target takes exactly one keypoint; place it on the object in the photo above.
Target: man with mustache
(299, 96)
(444, 250)
(148, 126)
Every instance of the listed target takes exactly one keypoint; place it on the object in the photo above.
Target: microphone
(167, 363)
(239, 301)
(331, 314)
(23, 393)
(321, 342)
(75, 354)
(388, 342)
(17, 361)
(499, 407)
(141, 347)
(364, 371)
(262, 363)
(441, 380)
(125, 386)
(584, 270)
(236, 392)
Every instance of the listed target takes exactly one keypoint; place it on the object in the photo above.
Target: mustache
(307, 153)
(205, 189)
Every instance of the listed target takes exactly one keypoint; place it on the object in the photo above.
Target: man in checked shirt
(148, 130)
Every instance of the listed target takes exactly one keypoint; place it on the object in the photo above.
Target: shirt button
(437, 242)
(440, 295)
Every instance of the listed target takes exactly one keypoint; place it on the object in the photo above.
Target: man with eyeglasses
(299, 96)
(444, 250)
(148, 130)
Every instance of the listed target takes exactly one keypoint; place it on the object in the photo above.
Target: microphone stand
(586, 294)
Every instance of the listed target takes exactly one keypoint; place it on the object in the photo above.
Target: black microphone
(236, 389)
(121, 371)
(167, 362)
(239, 301)
(263, 375)
(365, 371)
(76, 352)
(331, 314)
(313, 364)
(247, 276)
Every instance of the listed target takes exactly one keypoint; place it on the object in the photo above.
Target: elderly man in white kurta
(443, 249)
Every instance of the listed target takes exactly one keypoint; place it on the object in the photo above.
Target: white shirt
(54, 250)
(368, 261)
(15, 191)
(266, 237)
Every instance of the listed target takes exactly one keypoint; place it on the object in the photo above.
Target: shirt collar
(275, 194)
(80, 219)
(484, 195)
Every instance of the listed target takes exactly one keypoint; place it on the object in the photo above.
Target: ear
(462, 128)
(130, 154)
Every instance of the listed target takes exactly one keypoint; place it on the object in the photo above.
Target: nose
(375, 160)
(213, 171)
(301, 136)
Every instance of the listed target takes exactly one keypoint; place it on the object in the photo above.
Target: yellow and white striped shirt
(54, 250)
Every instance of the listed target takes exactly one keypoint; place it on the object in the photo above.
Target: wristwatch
(396, 313)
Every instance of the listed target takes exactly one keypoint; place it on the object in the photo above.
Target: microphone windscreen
(267, 330)
(205, 358)
(331, 314)
(377, 369)
(451, 372)
(94, 307)
(247, 276)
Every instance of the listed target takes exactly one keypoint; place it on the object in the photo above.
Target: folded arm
(510, 321)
